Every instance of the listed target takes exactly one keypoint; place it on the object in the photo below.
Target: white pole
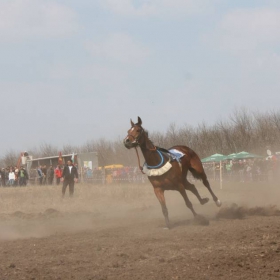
(214, 171)
(221, 175)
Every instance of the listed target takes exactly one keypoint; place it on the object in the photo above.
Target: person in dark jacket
(3, 177)
(69, 177)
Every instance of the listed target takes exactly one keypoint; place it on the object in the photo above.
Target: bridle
(136, 141)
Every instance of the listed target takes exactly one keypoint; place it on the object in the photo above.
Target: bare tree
(47, 150)
(11, 158)
(244, 130)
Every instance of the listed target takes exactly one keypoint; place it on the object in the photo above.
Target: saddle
(172, 154)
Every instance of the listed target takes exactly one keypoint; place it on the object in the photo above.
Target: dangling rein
(140, 167)
(148, 166)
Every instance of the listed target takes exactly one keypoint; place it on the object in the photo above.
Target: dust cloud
(39, 211)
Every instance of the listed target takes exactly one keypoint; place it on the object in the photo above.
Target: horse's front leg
(160, 195)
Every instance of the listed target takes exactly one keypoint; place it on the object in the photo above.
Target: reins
(156, 166)
(140, 167)
(152, 149)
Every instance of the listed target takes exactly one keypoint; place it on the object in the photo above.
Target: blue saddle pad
(176, 154)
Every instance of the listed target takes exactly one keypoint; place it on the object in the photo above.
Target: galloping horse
(165, 174)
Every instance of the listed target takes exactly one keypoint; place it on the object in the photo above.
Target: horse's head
(134, 135)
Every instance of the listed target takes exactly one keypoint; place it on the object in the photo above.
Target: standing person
(50, 175)
(16, 175)
(23, 176)
(3, 177)
(16, 178)
(58, 174)
(12, 177)
(44, 171)
(69, 177)
(40, 174)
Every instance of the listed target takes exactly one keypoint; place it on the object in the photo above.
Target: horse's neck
(150, 155)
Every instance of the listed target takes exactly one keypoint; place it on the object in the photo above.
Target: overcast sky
(72, 71)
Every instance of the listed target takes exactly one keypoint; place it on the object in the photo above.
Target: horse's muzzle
(128, 144)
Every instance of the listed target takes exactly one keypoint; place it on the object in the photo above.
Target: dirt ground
(117, 232)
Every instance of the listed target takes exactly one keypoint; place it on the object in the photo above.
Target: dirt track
(116, 232)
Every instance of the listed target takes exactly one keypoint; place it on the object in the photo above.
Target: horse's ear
(132, 123)
(139, 121)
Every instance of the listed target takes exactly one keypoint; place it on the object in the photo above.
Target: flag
(73, 157)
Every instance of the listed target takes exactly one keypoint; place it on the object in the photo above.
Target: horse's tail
(195, 174)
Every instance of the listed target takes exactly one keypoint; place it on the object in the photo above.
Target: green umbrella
(232, 155)
(243, 155)
(214, 158)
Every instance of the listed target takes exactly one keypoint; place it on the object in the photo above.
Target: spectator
(16, 177)
(11, 177)
(23, 176)
(7, 175)
(40, 175)
(44, 171)
(58, 174)
(69, 177)
(88, 173)
(3, 177)
(228, 168)
(50, 175)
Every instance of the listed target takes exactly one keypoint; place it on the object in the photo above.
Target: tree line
(244, 130)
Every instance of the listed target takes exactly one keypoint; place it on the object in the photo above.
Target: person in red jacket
(58, 174)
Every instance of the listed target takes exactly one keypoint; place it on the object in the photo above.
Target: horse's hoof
(218, 203)
(204, 200)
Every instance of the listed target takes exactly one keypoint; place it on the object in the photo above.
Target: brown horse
(175, 178)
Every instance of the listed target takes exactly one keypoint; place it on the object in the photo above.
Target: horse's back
(190, 154)
(191, 160)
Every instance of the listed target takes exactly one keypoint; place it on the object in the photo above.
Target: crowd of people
(68, 175)
(231, 170)
(13, 176)
(48, 175)
(245, 170)
(43, 175)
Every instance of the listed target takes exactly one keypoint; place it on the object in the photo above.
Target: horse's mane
(147, 135)
(147, 132)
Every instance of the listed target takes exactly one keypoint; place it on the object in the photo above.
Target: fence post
(221, 175)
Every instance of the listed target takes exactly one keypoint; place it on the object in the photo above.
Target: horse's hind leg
(190, 187)
(198, 172)
(187, 201)
(207, 185)
(160, 195)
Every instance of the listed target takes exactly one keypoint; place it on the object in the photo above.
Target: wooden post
(81, 175)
